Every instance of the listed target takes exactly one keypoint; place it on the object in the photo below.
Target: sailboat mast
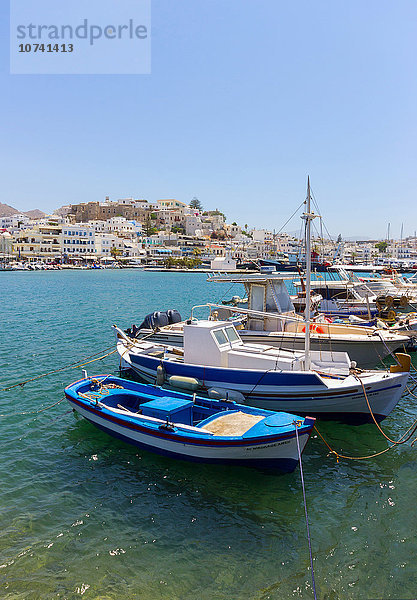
(308, 217)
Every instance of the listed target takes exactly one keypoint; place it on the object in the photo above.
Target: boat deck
(233, 424)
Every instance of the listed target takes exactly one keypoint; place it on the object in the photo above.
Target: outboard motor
(154, 320)
(173, 316)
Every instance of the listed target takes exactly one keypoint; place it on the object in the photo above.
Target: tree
(196, 204)
(234, 224)
(148, 225)
(178, 229)
(382, 247)
(115, 252)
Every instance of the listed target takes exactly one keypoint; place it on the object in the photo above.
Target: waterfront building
(41, 242)
(78, 241)
(262, 235)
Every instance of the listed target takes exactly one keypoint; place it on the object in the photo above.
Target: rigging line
(293, 215)
(227, 293)
(305, 512)
(318, 210)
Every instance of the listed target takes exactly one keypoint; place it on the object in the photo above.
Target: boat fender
(160, 375)
(222, 394)
(185, 383)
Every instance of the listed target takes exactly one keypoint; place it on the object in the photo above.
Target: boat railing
(247, 311)
(246, 277)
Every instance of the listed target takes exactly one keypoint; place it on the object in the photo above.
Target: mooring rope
(33, 412)
(402, 440)
(75, 365)
(305, 512)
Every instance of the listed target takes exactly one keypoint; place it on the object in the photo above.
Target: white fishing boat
(214, 360)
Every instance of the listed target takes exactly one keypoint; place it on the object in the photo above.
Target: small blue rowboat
(190, 427)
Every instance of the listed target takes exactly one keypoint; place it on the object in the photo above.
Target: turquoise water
(83, 515)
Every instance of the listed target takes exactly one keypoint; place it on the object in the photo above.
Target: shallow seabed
(84, 515)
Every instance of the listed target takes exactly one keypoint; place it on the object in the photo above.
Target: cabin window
(220, 336)
(232, 334)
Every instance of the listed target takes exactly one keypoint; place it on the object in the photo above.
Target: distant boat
(190, 428)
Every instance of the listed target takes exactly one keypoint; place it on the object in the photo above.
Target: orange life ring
(314, 328)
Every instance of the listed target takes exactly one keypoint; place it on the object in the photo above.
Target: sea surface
(84, 515)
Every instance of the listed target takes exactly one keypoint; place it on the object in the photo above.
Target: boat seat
(232, 423)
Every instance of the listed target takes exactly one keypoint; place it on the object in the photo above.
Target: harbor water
(84, 515)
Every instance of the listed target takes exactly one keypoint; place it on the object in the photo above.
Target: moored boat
(190, 427)
(214, 360)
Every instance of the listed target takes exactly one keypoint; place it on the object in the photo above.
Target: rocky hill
(8, 211)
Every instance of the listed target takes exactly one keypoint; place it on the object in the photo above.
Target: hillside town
(171, 234)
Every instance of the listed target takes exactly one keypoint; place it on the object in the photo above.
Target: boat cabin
(209, 342)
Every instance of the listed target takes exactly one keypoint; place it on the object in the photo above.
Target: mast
(308, 216)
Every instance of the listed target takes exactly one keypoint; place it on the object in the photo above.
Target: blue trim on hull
(285, 465)
(241, 376)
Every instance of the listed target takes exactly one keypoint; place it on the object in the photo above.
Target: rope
(33, 412)
(293, 214)
(402, 440)
(376, 422)
(70, 366)
(76, 365)
(390, 352)
(305, 512)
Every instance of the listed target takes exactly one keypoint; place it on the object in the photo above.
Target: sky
(244, 100)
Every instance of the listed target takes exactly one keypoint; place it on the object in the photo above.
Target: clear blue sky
(246, 97)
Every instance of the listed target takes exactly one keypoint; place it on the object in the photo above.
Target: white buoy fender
(185, 383)
(222, 394)
(160, 375)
